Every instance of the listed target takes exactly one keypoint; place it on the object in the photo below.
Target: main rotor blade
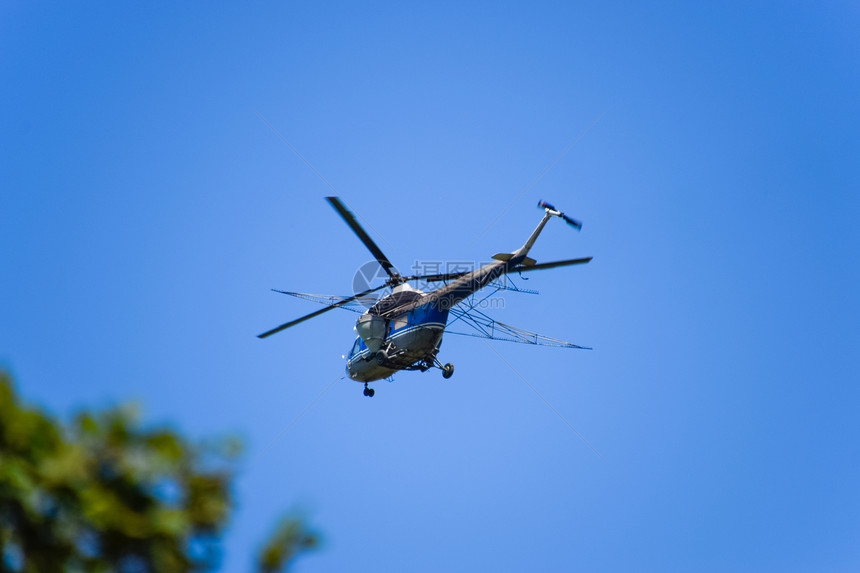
(453, 276)
(435, 278)
(319, 312)
(364, 237)
(552, 265)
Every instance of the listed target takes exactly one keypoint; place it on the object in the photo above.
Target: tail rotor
(553, 211)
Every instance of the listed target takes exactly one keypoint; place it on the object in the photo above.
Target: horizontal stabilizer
(527, 261)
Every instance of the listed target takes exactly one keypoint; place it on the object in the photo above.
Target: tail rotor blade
(572, 222)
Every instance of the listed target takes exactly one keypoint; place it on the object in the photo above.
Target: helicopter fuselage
(411, 324)
(410, 338)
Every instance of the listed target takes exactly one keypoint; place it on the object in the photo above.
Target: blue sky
(147, 209)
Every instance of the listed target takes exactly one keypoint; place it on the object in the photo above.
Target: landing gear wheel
(381, 358)
(369, 392)
(447, 371)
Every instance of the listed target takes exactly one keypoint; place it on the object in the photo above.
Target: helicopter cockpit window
(355, 347)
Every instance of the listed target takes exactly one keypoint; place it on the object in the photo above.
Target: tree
(104, 494)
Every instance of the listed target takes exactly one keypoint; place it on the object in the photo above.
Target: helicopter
(403, 330)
